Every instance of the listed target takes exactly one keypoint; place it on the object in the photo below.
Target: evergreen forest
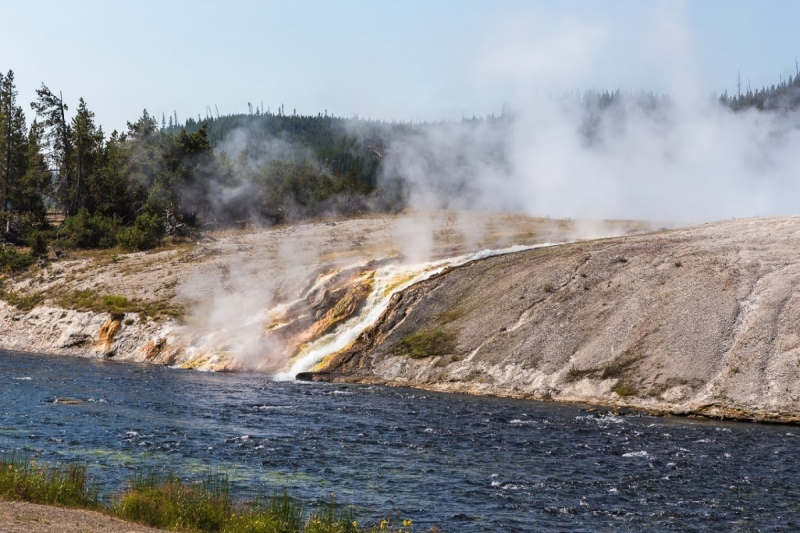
(66, 183)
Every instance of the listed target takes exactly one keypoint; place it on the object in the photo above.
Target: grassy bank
(166, 502)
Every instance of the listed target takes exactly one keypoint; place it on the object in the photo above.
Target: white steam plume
(687, 158)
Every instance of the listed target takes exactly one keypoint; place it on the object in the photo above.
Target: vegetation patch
(23, 302)
(451, 315)
(625, 390)
(658, 389)
(477, 375)
(167, 502)
(577, 374)
(116, 305)
(13, 261)
(619, 366)
(68, 485)
(616, 368)
(426, 344)
(446, 360)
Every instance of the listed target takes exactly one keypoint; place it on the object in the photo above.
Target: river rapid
(463, 463)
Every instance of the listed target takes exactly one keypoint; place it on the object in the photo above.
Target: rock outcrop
(703, 320)
(58, 331)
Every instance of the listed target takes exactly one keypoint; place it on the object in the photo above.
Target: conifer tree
(59, 139)
(32, 191)
(88, 145)
(13, 142)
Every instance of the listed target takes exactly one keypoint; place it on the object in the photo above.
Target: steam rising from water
(682, 158)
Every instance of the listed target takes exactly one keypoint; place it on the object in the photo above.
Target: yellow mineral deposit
(105, 337)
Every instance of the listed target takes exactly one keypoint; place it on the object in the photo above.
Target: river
(463, 463)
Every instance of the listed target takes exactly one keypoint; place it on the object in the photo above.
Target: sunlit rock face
(276, 300)
(325, 318)
(701, 320)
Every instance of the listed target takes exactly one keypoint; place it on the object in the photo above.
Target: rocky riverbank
(699, 321)
(695, 321)
(237, 300)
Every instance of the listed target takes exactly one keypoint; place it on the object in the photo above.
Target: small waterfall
(388, 280)
(325, 319)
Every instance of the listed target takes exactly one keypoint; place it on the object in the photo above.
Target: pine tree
(31, 193)
(58, 136)
(88, 145)
(13, 142)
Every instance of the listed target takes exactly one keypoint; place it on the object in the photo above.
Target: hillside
(700, 320)
(218, 304)
(693, 321)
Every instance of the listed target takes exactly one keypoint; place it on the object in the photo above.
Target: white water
(388, 281)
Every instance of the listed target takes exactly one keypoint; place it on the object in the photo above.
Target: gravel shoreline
(23, 517)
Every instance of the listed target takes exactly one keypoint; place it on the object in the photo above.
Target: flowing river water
(463, 463)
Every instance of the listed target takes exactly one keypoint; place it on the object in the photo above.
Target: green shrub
(38, 243)
(89, 231)
(425, 344)
(625, 390)
(12, 261)
(147, 232)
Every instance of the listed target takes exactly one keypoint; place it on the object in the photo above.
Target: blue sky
(404, 60)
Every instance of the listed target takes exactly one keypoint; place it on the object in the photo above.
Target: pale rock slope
(703, 320)
(247, 299)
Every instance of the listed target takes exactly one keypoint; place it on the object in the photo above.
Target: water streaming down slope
(387, 281)
(325, 318)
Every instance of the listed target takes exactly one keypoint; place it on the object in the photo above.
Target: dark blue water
(463, 463)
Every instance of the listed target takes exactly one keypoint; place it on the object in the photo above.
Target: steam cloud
(679, 158)
(684, 157)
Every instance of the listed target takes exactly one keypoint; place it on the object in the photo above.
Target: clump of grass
(164, 501)
(167, 502)
(117, 305)
(616, 368)
(23, 479)
(425, 344)
(23, 302)
(625, 390)
(620, 365)
(331, 518)
(548, 288)
(451, 315)
(278, 513)
(576, 374)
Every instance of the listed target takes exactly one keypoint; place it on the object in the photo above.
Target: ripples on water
(463, 463)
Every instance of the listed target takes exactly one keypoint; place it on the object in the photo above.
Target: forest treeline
(160, 177)
(130, 189)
